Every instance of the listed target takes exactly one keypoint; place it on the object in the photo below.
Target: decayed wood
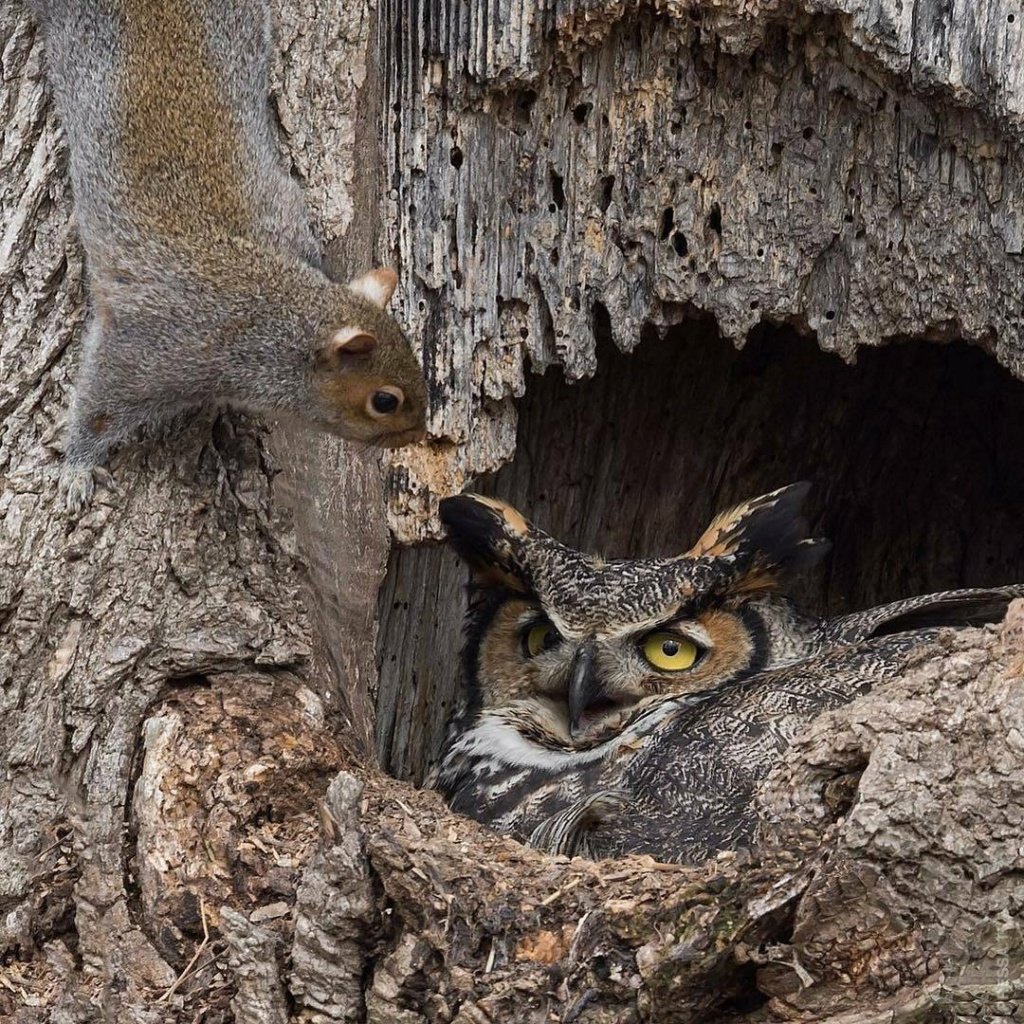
(260, 997)
(852, 167)
(186, 581)
(336, 914)
(189, 828)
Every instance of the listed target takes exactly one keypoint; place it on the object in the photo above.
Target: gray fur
(204, 275)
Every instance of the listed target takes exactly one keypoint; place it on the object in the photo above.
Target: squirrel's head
(367, 381)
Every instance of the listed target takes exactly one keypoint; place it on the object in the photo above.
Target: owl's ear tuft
(766, 537)
(488, 535)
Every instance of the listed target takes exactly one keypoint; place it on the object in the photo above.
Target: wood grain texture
(185, 671)
(212, 571)
(853, 169)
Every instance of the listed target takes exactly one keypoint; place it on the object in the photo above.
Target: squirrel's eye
(540, 636)
(670, 652)
(384, 402)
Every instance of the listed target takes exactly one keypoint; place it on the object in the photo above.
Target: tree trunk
(192, 823)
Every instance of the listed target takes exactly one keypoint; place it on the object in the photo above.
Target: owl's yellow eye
(670, 652)
(541, 636)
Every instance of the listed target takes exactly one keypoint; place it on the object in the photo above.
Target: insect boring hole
(912, 454)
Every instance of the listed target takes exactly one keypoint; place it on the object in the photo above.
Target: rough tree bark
(191, 824)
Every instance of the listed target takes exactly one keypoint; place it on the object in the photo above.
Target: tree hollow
(912, 453)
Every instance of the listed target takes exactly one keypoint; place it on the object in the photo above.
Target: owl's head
(583, 639)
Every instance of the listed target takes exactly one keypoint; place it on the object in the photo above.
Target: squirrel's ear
(351, 341)
(342, 344)
(378, 286)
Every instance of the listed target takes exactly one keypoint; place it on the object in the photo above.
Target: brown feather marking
(713, 541)
(513, 518)
(725, 533)
(495, 576)
(761, 578)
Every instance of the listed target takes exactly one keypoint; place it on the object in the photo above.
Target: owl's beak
(585, 689)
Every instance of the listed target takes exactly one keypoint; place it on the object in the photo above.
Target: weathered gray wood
(183, 671)
(853, 168)
(252, 958)
(336, 914)
(189, 580)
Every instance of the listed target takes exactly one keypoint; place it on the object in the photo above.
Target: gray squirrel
(205, 278)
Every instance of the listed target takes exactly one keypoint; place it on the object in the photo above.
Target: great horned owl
(620, 706)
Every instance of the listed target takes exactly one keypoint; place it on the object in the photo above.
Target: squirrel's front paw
(78, 485)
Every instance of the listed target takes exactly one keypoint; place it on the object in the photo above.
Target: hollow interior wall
(913, 453)
(844, 165)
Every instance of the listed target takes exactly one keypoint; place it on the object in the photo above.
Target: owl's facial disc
(582, 686)
(631, 668)
(596, 678)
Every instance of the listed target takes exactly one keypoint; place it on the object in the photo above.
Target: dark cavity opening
(557, 189)
(912, 453)
(715, 220)
(667, 223)
(526, 100)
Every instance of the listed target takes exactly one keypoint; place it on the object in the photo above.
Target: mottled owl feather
(956, 608)
(692, 781)
(488, 535)
(766, 537)
(693, 675)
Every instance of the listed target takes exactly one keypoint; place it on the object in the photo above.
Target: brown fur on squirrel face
(355, 376)
(205, 279)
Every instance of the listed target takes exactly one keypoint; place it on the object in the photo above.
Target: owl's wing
(974, 607)
(568, 832)
(693, 779)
